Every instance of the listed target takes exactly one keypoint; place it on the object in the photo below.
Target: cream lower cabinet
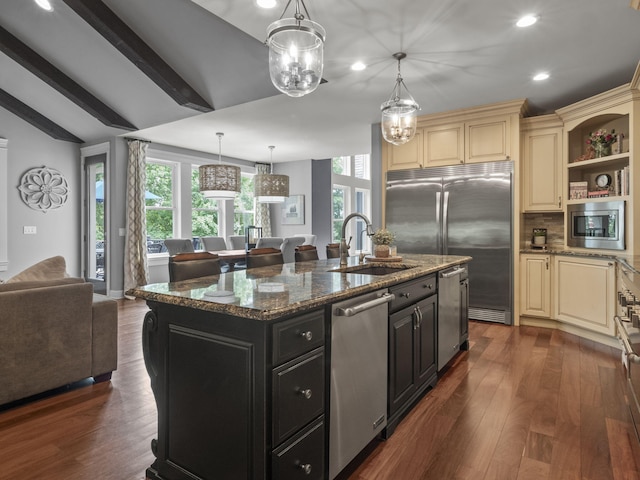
(585, 293)
(535, 285)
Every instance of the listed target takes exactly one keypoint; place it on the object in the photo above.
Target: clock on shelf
(603, 180)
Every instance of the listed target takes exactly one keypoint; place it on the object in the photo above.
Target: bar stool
(333, 250)
(184, 266)
(306, 252)
(262, 257)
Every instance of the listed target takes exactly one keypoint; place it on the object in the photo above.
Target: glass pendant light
(296, 52)
(218, 180)
(399, 115)
(270, 188)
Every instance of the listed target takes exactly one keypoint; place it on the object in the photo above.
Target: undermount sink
(373, 269)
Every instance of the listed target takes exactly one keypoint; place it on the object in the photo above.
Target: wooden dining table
(231, 257)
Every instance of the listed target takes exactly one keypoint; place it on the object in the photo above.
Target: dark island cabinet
(236, 398)
(412, 346)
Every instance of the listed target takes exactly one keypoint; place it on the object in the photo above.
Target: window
(175, 208)
(159, 201)
(351, 193)
(204, 212)
(243, 206)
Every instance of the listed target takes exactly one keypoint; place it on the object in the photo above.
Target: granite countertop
(268, 293)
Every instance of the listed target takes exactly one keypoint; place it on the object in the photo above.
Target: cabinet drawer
(297, 336)
(410, 292)
(302, 457)
(298, 394)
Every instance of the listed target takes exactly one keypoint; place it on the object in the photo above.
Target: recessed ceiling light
(358, 66)
(527, 21)
(266, 3)
(541, 76)
(45, 5)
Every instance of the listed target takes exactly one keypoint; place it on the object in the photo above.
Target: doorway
(96, 235)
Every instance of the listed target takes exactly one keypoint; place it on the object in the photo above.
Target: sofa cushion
(10, 287)
(48, 269)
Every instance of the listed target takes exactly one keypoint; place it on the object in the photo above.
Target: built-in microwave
(596, 225)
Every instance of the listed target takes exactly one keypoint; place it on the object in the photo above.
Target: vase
(602, 150)
(381, 251)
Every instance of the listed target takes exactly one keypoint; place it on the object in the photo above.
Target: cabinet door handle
(419, 315)
(308, 336)
(547, 262)
(559, 201)
(415, 317)
(306, 468)
(306, 393)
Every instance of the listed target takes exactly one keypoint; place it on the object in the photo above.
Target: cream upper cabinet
(542, 182)
(488, 139)
(535, 285)
(585, 293)
(443, 145)
(409, 155)
(481, 134)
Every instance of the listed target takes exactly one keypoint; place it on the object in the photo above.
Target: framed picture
(293, 210)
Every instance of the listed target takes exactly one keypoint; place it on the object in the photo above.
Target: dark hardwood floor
(523, 403)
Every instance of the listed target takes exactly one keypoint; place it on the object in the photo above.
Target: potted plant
(381, 239)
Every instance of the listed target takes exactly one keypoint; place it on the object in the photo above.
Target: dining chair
(288, 248)
(262, 257)
(306, 252)
(178, 245)
(184, 266)
(236, 242)
(309, 238)
(212, 244)
(270, 242)
(333, 250)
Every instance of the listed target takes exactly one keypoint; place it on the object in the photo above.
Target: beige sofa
(53, 333)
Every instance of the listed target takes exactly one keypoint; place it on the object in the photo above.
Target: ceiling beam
(48, 73)
(36, 119)
(118, 33)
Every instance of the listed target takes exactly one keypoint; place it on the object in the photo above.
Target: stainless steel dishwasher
(358, 406)
(450, 307)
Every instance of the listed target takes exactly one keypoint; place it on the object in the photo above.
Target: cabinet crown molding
(513, 107)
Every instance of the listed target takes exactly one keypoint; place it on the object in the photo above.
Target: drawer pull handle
(428, 285)
(306, 393)
(405, 295)
(308, 336)
(306, 468)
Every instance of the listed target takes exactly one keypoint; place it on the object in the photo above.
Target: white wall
(58, 231)
(299, 184)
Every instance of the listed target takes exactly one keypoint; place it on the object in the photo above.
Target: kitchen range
(293, 382)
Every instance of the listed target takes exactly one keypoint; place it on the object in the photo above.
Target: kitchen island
(239, 364)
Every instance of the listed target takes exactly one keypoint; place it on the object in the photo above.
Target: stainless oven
(596, 225)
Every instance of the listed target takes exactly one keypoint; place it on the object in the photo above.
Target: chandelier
(218, 180)
(270, 188)
(295, 52)
(399, 114)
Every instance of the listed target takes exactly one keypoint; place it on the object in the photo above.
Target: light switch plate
(29, 230)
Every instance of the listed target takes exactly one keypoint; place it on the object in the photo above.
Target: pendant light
(399, 115)
(270, 188)
(295, 52)
(218, 180)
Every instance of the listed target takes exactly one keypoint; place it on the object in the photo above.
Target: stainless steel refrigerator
(460, 210)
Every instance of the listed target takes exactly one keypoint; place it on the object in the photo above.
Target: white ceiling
(461, 53)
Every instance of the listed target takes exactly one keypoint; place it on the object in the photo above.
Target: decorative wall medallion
(44, 189)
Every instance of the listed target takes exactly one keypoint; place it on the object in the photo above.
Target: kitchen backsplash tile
(553, 222)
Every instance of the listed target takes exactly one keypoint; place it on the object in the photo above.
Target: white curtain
(263, 214)
(136, 269)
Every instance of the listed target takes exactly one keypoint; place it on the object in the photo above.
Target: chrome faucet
(344, 248)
